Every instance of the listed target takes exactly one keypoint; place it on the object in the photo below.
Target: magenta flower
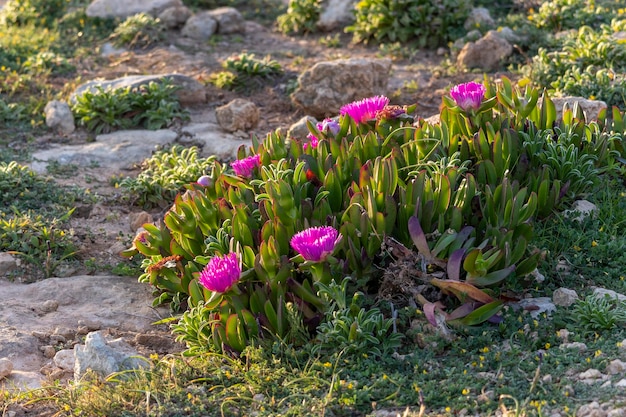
(204, 180)
(245, 167)
(221, 273)
(313, 141)
(468, 95)
(363, 110)
(315, 243)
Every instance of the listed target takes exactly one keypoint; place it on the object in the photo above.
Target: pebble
(6, 367)
(50, 306)
(615, 367)
(574, 345)
(48, 351)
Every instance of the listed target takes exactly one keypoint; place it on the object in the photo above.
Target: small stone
(547, 379)
(621, 383)
(603, 292)
(568, 391)
(40, 335)
(258, 398)
(64, 359)
(50, 306)
(48, 351)
(7, 263)
(6, 367)
(486, 397)
(590, 374)
(564, 297)
(57, 339)
(581, 209)
(618, 412)
(615, 367)
(539, 277)
(581, 347)
(239, 114)
(137, 220)
(563, 266)
(66, 332)
(592, 409)
(563, 334)
(59, 116)
(441, 51)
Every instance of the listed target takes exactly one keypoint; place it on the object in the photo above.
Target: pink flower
(313, 141)
(245, 167)
(468, 95)
(204, 180)
(221, 273)
(315, 243)
(363, 110)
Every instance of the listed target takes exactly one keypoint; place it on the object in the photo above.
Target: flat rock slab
(94, 302)
(117, 151)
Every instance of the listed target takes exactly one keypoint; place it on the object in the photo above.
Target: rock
(536, 306)
(137, 220)
(479, 18)
(563, 334)
(299, 129)
(592, 409)
(487, 53)
(59, 117)
(105, 358)
(617, 412)
(190, 92)
(603, 292)
(591, 108)
(49, 306)
(615, 367)
(157, 342)
(6, 367)
(621, 383)
(174, 17)
(48, 351)
(200, 26)
(64, 359)
(581, 347)
(539, 277)
(7, 263)
(564, 297)
(336, 14)
(508, 34)
(229, 20)
(239, 114)
(117, 151)
(590, 374)
(581, 209)
(214, 140)
(108, 49)
(125, 8)
(328, 85)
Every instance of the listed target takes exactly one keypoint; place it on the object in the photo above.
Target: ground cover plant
(374, 264)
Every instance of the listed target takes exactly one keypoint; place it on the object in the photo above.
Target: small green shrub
(589, 64)
(39, 12)
(138, 31)
(301, 17)
(150, 106)
(429, 23)
(597, 313)
(558, 15)
(245, 71)
(164, 175)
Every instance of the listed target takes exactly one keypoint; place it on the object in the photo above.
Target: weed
(138, 31)
(301, 17)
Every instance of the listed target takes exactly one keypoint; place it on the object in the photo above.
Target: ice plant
(221, 273)
(315, 243)
(468, 96)
(363, 110)
(245, 167)
(313, 141)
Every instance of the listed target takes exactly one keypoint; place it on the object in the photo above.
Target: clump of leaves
(559, 15)
(150, 106)
(599, 313)
(40, 12)
(301, 17)
(138, 31)
(428, 23)
(590, 63)
(164, 175)
(245, 71)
